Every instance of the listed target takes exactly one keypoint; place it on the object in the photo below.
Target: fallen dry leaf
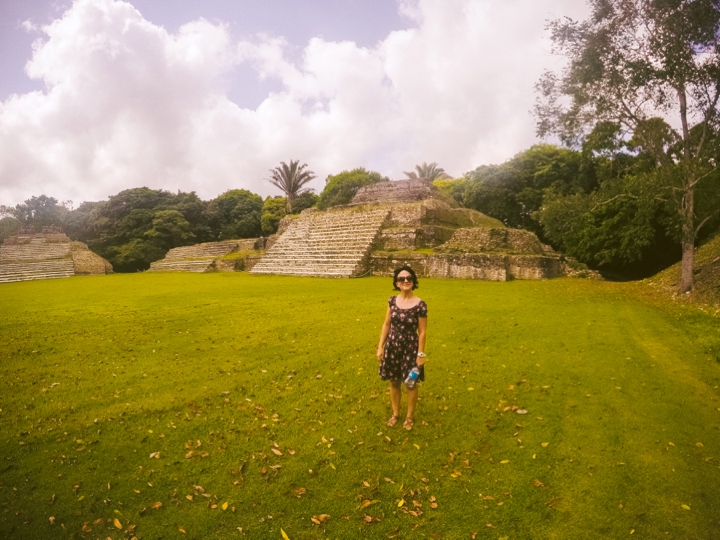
(276, 452)
(86, 528)
(521, 411)
(181, 530)
(504, 461)
(283, 533)
(684, 507)
(224, 506)
(366, 503)
(299, 492)
(545, 444)
(538, 483)
(156, 505)
(117, 523)
(322, 518)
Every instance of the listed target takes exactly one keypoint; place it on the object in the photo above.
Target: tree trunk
(688, 238)
(687, 203)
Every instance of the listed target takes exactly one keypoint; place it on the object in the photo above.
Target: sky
(97, 96)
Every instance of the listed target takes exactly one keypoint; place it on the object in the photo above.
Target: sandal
(409, 423)
(393, 420)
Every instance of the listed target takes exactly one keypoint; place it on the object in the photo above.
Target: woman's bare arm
(383, 334)
(422, 331)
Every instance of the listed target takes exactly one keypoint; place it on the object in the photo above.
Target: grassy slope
(143, 362)
(707, 276)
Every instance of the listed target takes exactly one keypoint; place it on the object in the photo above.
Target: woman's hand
(419, 361)
(380, 352)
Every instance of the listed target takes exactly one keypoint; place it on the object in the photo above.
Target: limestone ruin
(225, 256)
(409, 222)
(386, 225)
(48, 255)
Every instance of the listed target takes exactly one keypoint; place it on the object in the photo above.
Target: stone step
(23, 252)
(58, 268)
(332, 244)
(301, 272)
(201, 250)
(181, 266)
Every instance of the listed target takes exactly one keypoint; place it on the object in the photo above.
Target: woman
(402, 342)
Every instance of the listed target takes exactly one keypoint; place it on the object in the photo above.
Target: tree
(170, 229)
(427, 171)
(138, 226)
(8, 227)
(514, 191)
(39, 212)
(290, 179)
(235, 214)
(632, 62)
(452, 187)
(272, 212)
(342, 187)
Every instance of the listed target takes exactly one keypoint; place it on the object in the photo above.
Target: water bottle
(412, 378)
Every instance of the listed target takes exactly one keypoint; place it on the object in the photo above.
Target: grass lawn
(230, 406)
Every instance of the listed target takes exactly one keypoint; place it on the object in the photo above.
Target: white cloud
(128, 104)
(29, 26)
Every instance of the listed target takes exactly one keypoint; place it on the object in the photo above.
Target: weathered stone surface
(207, 257)
(396, 191)
(335, 243)
(47, 256)
(481, 240)
(86, 263)
(490, 267)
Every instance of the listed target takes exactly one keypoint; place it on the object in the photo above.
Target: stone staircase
(26, 271)
(325, 244)
(35, 260)
(33, 251)
(197, 258)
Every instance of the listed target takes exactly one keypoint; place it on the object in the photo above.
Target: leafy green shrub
(272, 212)
(235, 214)
(341, 188)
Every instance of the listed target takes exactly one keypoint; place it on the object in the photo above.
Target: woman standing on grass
(402, 342)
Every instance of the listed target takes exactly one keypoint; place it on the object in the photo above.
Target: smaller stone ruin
(225, 256)
(47, 255)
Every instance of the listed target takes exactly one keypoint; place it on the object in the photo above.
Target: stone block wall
(494, 240)
(474, 266)
(86, 262)
(488, 267)
(396, 191)
(413, 238)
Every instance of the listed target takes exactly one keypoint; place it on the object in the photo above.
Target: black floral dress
(401, 345)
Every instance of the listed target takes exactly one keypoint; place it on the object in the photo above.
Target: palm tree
(427, 171)
(290, 179)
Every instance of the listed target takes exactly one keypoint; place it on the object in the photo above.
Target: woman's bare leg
(395, 397)
(412, 401)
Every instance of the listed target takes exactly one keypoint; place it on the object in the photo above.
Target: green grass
(99, 373)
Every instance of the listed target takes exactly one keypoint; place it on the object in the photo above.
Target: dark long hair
(410, 271)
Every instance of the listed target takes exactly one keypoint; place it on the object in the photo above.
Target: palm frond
(290, 179)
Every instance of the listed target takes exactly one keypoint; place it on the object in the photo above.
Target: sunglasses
(403, 279)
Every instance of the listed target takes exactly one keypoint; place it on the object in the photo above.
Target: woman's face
(405, 281)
